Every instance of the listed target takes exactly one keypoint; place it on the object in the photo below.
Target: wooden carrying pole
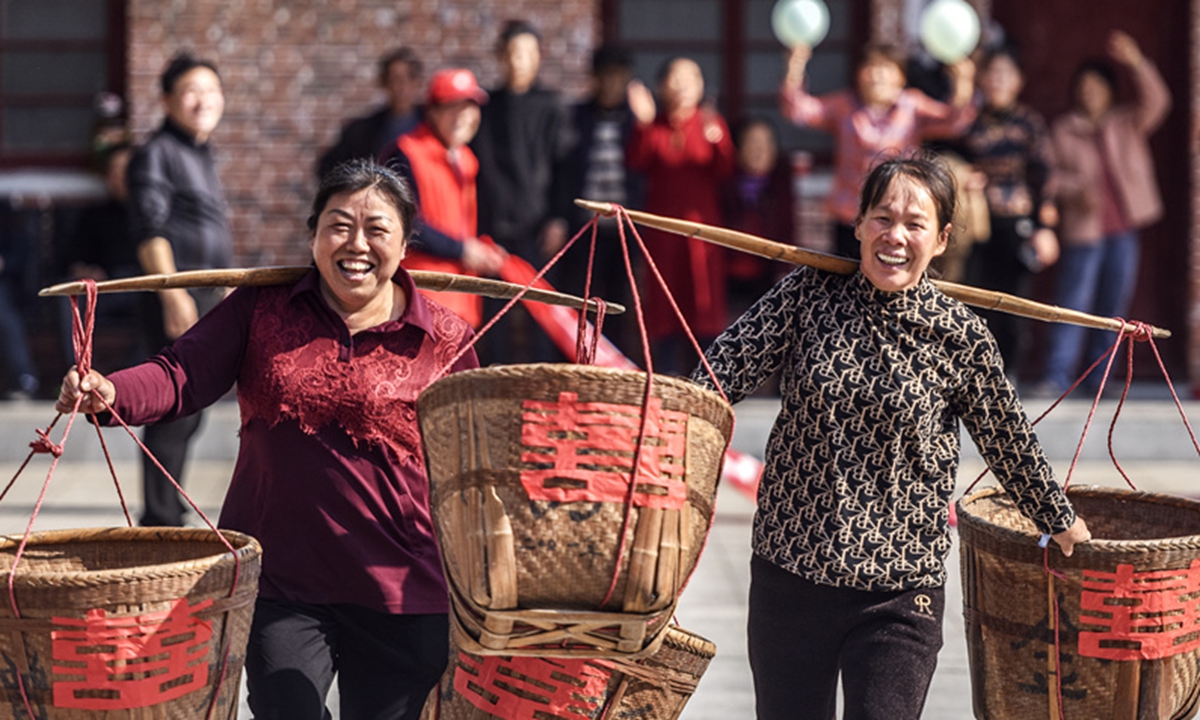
(987, 299)
(282, 275)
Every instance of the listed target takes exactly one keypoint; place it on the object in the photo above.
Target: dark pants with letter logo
(803, 635)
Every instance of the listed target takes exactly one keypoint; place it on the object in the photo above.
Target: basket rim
(246, 547)
(474, 374)
(978, 524)
(689, 640)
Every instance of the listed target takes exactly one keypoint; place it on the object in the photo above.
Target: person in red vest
(441, 170)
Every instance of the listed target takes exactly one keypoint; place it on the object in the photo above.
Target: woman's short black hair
(742, 126)
(665, 68)
(405, 55)
(354, 175)
(924, 168)
(1101, 67)
(611, 57)
(516, 28)
(995, 53)
(180, 65)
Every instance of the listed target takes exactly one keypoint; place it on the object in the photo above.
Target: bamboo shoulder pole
(978, 297)
(285, 274)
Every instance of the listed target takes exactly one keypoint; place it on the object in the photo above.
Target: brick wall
(294, 70)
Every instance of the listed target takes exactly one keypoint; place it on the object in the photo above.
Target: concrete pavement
(1150, 441)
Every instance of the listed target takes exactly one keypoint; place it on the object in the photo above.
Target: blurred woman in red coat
(685, 152)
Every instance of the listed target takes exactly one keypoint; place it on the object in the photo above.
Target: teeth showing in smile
(355, 267)
(891, 259)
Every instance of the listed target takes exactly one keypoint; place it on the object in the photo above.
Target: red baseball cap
(453, 85)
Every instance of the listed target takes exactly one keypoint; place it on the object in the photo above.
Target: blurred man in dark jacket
(596, 170)
(374, 135)
(522, 143)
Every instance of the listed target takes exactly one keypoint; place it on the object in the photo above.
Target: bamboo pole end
(602, 208)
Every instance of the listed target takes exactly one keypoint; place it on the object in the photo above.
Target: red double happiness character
(130, 662)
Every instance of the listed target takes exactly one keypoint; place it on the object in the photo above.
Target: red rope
(1131, 333)
(586, 346)
(623, 219)
(585, 351)
(1058, 401)
(513, 301)
(671, 300)
(1052, 573)
(82, 330)
(640, 314)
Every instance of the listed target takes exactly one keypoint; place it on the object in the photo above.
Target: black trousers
(803, 635)
(169, 442)
(385, 664)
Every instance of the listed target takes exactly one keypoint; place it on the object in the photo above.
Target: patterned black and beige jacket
(863, 457)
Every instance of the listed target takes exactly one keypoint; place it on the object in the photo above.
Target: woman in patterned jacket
(852, 531)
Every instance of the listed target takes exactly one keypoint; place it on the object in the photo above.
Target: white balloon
(800, 22)
(949, 30)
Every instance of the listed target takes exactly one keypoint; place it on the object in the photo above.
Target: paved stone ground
(1150, 441)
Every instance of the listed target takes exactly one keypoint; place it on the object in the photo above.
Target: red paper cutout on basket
(131, 662)
(517, 688)
(1154, 614)
(589, 448)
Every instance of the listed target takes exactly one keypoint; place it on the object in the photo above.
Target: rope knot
(45, 445)
(82, 326)
(1137, 330)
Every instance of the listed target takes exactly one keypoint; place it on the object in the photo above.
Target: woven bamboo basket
(1128, 620)
(477, 687)
(529, 467)
(127, 623)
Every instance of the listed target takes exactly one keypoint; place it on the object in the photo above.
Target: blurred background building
(295, 70)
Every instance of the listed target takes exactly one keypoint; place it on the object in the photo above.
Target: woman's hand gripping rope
(1076, 534)
(97, 392)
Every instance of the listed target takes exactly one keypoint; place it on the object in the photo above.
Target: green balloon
(949, 30)
(800, 22)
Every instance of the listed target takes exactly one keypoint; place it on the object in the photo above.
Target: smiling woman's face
(900, 236)
(357, 247)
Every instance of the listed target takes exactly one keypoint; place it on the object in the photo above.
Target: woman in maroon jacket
(330, 475)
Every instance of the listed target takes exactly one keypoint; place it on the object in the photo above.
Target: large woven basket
(1128, 622)
(529, 467)
(476, 687)
(128, 623)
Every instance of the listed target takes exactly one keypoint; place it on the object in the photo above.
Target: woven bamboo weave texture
(652, 688)
(1011, 631)
(506, 551)
(123, 574)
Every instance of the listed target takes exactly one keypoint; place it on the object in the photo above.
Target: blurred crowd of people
(496, 171)
(1080, 189)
